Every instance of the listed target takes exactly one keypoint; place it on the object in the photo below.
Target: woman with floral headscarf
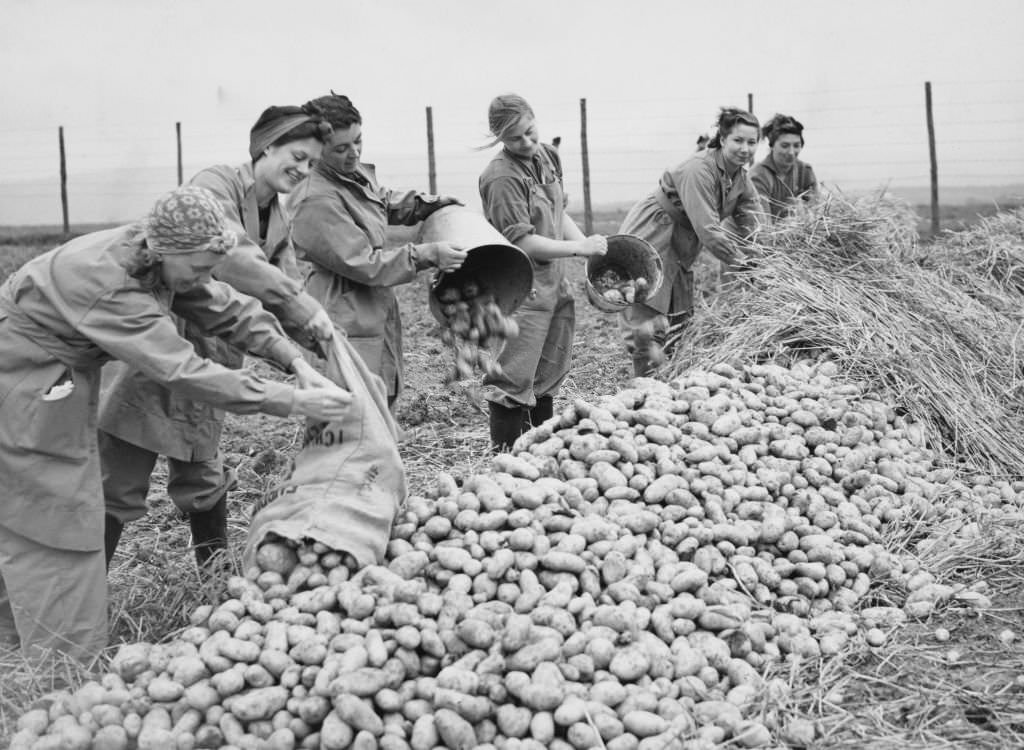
(140, 419)
(781, 179)
(111, 295)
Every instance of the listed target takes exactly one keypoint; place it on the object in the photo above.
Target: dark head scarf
(273, 123)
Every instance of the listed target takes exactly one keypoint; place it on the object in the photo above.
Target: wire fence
(858, 140)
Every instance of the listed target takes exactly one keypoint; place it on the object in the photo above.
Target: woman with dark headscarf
(684, 215)
(781, 179)
(140, 419)
(106, 295)
(341, 216)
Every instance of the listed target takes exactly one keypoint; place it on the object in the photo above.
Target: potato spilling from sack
(475, 327)
(616, 287)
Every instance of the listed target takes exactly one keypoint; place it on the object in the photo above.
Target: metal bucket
(496, 265)
(632, 258)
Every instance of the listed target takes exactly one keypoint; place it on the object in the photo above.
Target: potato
(455, 732)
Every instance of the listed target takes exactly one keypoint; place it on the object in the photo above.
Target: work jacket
(62, 316)
(697, 199)
(780, 190)
(339, 225)
(145, 413)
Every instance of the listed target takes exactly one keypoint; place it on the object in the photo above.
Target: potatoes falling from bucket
(629, 272)
(475, 303)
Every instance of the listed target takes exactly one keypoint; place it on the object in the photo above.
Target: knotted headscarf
(188, 219)
(273, 123)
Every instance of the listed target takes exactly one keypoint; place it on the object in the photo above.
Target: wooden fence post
(932, 157)
(63, 181)
(431, 164)
(177, 132)
(588, 216)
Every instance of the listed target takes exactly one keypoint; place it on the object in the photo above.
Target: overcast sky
(117, 74)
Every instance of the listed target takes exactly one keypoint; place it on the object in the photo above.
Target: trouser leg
(507, 424)
(543, 411)
(643, 331)
(126, 472)
(57, 599)
(199, 489)
(111, 536)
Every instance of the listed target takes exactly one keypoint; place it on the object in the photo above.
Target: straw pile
(935, 330)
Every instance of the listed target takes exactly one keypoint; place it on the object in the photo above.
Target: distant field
(19, 243)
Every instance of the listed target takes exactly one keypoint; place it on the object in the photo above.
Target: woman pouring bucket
(523, 198)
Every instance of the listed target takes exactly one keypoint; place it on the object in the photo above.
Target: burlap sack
(348, 480)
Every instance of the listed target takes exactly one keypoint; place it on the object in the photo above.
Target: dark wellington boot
(111, 536)
(543, 411)
(506, 425)
(209, 531)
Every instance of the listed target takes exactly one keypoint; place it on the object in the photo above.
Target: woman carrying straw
(782, 180)
(686, 213)
(341, 216)
(523, 198)
(112, 295)
(141, 419)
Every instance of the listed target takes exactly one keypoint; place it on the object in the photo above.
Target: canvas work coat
(62, 316)
(145, 413)
(339, 225)
(780, 190)
(686, 213)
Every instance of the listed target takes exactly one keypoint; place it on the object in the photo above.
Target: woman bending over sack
(685, 214)
(141, 419)
(109, 295)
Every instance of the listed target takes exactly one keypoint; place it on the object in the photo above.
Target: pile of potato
(619, 288)
(624, 578)
(475, 329)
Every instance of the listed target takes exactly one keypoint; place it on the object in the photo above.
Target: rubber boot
(642, 367)
(543, 411)
(507, 424)
(209, 531)
(111, 536)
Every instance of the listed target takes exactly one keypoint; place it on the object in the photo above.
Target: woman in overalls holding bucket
(522, 195)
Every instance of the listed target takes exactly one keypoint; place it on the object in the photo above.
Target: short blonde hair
(504, 113)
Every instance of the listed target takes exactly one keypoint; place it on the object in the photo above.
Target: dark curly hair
(338, 110)
(729, 118)
(782, 125)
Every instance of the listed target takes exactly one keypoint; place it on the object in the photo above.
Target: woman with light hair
(524, 199)
(782, 180)
(103, 296)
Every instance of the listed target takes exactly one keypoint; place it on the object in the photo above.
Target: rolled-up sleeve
(325, 234)
(130, 326)
(408, 207)
(506, 204)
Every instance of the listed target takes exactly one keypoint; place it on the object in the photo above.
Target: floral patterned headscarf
(188, 219)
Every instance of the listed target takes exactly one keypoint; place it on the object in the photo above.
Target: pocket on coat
(53, 425)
